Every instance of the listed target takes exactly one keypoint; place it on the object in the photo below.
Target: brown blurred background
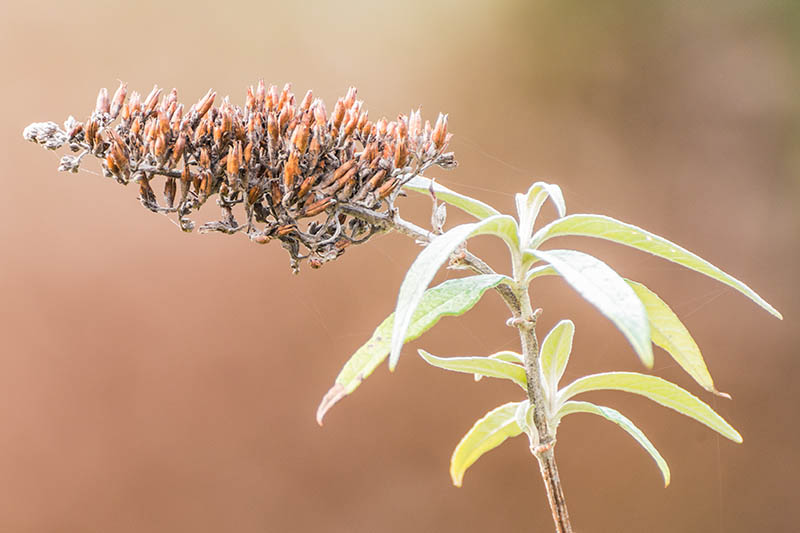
(162, 382)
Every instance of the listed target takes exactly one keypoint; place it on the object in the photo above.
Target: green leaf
(669, 333)
(529, 204)
(521, 416)
(507, 356)
(472, 206)
(427, 264)
(556, 348)
(491, 368)
(615, 416)
(601, 286)
(542, 270)
(487, 433)
(451, 298)
(657, 389)
(604, 227)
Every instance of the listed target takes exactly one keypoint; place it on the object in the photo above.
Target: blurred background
(163, 382)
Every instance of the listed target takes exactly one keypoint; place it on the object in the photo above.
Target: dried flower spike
(293, 167)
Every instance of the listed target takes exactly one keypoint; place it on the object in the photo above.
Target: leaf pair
(507, 421)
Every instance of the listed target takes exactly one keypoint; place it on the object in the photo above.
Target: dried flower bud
(318, 207)
(320, 114)
(102, 105)
(160, 147)
(254, 194)
(400, 153)
(248, 153)
(350, 98)
(291, 170)
(305, 105)
(300, 138)
(382, 127)
(170, 188)
(177, 150)
(205, 103)
(146, 194)
(387, 188)
(272, 128)
(350, 125)
(234, 159)
(439, 134)
(152, 100)
(261, 93)
(119, 98)
(338, 114)
(205, 160)
(273, 97)
(250, 102)
(186, 182)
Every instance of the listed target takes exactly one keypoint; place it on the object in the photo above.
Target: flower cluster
(293, 166)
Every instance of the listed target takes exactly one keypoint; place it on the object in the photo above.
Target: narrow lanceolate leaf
(669, 333)
(428, 263)
(601, 286)
(472, 206)
(657, 389)
(507, 356)
(451, 298)
(556, 348)
(615, 416)
(491, 368)
(487, 433)
(530, 203)
(541, 270)
(604, 227)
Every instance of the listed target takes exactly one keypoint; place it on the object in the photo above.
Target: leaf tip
(646, 356)
(721, 394)
(336, 393)
(394, 356)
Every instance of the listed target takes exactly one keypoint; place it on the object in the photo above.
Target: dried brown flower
(292, 166)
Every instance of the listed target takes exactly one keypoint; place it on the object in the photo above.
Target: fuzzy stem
(544, 451)
(518, 301)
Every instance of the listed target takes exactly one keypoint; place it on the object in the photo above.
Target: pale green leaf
(530, 203)
(451, 298)
(472, 206)
(555, 351)
(521, 415)
(669, 333)
(542, 270)
(491, 368)
(604, 227)
(428, 263)
(601, 286)
(507, 356)
(615, 416)
(657, 389)
(487, 433)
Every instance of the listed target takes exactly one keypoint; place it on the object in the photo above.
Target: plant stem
(518, 301)
(544, 451)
